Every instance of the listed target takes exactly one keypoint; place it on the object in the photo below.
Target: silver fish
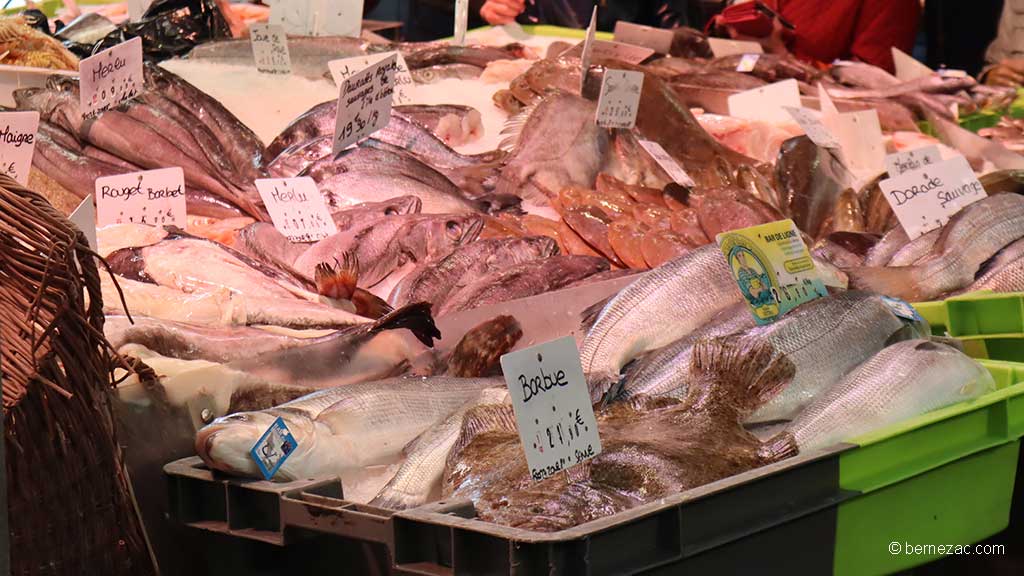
(916, 249)
(432, 74)
(970, 238)
(662, 306)
(1003, 273)
(341, 428)
(903, 381)
(892, 242)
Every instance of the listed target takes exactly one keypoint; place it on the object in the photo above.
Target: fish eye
(454, 228)
(237, 418)
(390, 211)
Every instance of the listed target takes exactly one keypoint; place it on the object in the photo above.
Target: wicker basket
(70, 506)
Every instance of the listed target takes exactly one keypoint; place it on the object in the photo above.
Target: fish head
(438, 234)
(403, 205)
(225, 443)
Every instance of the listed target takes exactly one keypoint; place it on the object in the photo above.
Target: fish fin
(370, 305)
(390, 499)
(590, 314)
(746, 371)
(951, 342)
(909, 331)
(604, 387)
(480, 349)
(416, 317)
(513, 128)
(899, 282)
(337, 281)
(779, 447)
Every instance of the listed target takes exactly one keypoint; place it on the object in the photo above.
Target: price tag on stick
(552, 405)
(364, 103)
(17, 143)
(620, 98)
(767, 103)
(343, 68)
(110, 78)
(588, 48)
(153, 197)
(461, 21)
(270, 49)
(926, 199)
(297, 208)
(667, 163)
(902, 162)
(657, 39)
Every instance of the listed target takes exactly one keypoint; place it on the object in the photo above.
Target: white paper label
(17, 143)
(926, 199)
(552, 406)
(612, 51)
(270, 49)
(911, 160)
(588, 47)
(620, 98)
(318, 17)
(667, 163)
(111, 77)
(137, 9)
(907, 68)
(767, 103)
(812, 126)
(297, 208)
(860, 138)
(364, 103)
(404, 85)
(657, 39)
(721, 47)
(828, 108)
(748, 62)
(85, 218)
(461, 21)
(153, 197)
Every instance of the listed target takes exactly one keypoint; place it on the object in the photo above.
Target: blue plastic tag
(902, 309)
(273, 448)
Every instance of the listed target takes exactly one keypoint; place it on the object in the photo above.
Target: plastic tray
(977, 316)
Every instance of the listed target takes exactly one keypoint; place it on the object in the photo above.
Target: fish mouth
(204, 444)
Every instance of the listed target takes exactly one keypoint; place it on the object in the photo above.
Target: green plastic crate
(946, 477)
(979, 315)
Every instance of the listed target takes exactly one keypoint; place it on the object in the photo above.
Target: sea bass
(903, 381)
(341, 428)
(1004, 272)
(662, 306)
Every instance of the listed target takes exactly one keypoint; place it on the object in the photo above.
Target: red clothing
(852, 29)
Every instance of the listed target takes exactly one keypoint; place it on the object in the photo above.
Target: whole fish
(349, 217)
(406, 133)
(1004, 272)
(916, 249)
(430, 116)
(263, 242)
(925, 84)
(650, 448)
(553, 145)
(528, 278)
(296, 158)
(385, 245)
(844, 249)
(810, 179)
(771, 68)
(976, 149)
(432, 74)
(863, 75)
(341, 428)
(317, 122)
(434, 281)
(87, 28)
(309, 55)
(474, 55)
(892, 242)
(971, 237)
(902, 381)
(825, 339)
(660, 307)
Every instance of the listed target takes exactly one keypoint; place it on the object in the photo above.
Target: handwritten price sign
(926, 199)
(111, 77)
(270, 49)
(344, 68)
(364, 103)
(153, 197)
(17, 143)
(620, 98)
(297, 208)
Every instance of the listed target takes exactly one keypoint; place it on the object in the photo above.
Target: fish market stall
(335, 270)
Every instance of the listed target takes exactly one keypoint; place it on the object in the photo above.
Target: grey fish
(309, 55)
(88, 28)
(434, 281)
(771, 68)
(916, 249)
(294, 159)
(863, 75)
(666, 371)
(386, 245)
(526, 279)
(1004, 272)
(351, 216)
(902, 381)
(976, 149)
(891, 243)
(314, 123)
(970, 238)
(265, 243)
(474, 55)
(810, 179)
(660, 307)
(554, 144)
(342, 428)
(432, 74)
(844, 249)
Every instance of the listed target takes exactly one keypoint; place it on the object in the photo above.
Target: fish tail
(778, 447)
(391, 499)
(415, 317)
(370, 305)
(590, 314)
(339, 280)
(480, 349)
(899, 282)
(746, 370)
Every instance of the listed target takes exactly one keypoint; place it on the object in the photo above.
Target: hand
(497, 12)
(774, 43)
(1006, 73)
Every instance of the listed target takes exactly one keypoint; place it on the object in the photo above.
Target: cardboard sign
(926, 199)
(461, 21)
(902, 162)
(345, 67)
(364, 103)
(153, 197)
(667, 163)
(270, 49)
(296, 208)
(17, 143)
(110, 78)
(813, 127)
(620, 98)
(588, 47)
(552, 405)
(273, 448)
(772, 268)
(767, 103)
(748, 62)
(657, 39)
(722, 47)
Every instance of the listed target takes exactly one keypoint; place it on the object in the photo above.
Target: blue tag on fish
(273, 448)
(902, 309)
